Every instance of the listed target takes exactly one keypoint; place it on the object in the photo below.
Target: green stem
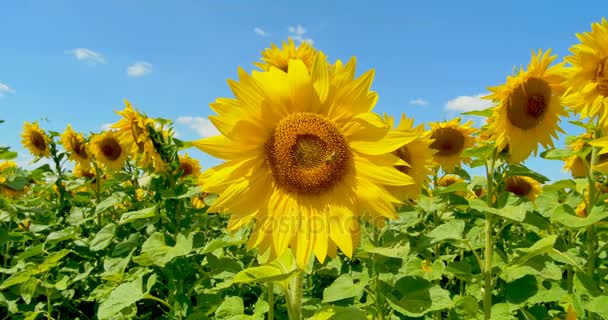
(489, 241)
(161, 301)
(294, 303)
(270, 301)
(98, 189)
(379, 299)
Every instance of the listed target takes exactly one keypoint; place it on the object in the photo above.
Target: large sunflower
(303, 162)
(528, 108)
(419, 158)
(109, 150)
(35, 140)
(75, 144)
(587, 78)
(279, 57)
(450, 139)
(190, 167)
(523, 186)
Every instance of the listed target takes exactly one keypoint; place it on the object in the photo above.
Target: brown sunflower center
(307, 154)
(404, 154)
(38, 141)
(186, 168)
(601, 77)
(110, 148)
(79, 148)
(448, 141)
(518, 186)
(528, 103)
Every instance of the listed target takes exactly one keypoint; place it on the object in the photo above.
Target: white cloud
(260, 32)
(419, 102)
(4, 88)
(106, 126)
(139, 69)
(298, 32)
(201, 125)
(468, 103)
(87, 55)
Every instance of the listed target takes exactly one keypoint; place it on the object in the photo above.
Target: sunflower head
(528, 107)
(110, 150)
(417, 155)
(448, 180)
(305, 159)
(523, 186)
(198, 202)
(35, 140)
(75, 144)
(450, 139)
(7, 166)
(83, 171)
(189, 167)
(587, 76)
(279, 57)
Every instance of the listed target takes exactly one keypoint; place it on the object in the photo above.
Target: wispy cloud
(106, 126)
(201, 125)
(298, 33)
(89, 56)
(260, 32)
(4, 89)
(468, 103)
(139, 69)
(419, 102)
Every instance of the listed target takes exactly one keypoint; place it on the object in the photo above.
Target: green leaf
(599, 305)
(565, 215)
(232, 306)
(451, 230)
(136, 215)
(28, 288)
(481, 113)
(17, 184)
(415, 297)
(58, 236)
(521, 170)
(7, 155)
(516, 213)
(342, 288)
(111, 201)
(542, 246)
(120, 298)
(263, 273)
(557, 154)
(154, 251)
(339, 313)
(103, 238)
(17, 278)
(52, 261)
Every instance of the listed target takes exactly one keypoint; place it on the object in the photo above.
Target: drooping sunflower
(450, 139)
(448, 180)
(419, 158)
(279, 57)
(76, 146)
(133, 129)
(110, 150)
(587, 76)
(303, 162)
(188, 166)
(35, 140)
(523, 186)
(528, 107)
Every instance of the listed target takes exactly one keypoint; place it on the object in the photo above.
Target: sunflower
(75, 144)
(6, 165)
(528, 108)
(448, 180)
(587, 77)
(198, 202)
(417, 154)
(523, 186)
(279, 58)
(109, 150)
(189, 166)
(602, 163)
(133, 129)
(83, 171)
(450, 139)
(35, 140)
(303, 162)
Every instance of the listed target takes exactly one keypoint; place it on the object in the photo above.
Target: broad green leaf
(397, 251)
(155, 252)
(110, 201)
(103, 238)
(121, 297)
(557, 154)
(516, 213)
(521, 170)
(59, 236)
(415, 297)
(342, 288)
(542, 246)
(136, 215)
(599, 305)
(232, 306)
(565, 215)
(28, 288)
(52, 260)
(17, 278)
(451, 230)
(481, 113)
(261, 274)
(339, 313)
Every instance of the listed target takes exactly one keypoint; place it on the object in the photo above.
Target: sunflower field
(321, 208)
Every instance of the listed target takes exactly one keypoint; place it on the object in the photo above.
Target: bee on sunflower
(587, 76)
(35, 140)
(528, 108)
(279, 57)
(75, 144)
(304, 159)
(110, 150)
(450, 139)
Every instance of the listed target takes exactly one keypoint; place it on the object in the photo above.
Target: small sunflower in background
(602, 157)
(189, 167)
(450, 139)
(305, 160)
(523, 186)
(417, 154)
(279, 57)
(448, 180)
(587, 76)
(35, 140)
(83, 171)
(109, 150)
(75, 144)
(6, 165)
(528, 108)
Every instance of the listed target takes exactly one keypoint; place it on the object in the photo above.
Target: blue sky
(75, 61)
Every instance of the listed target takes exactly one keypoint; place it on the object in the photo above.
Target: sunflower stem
(97, 189)
(270, 301)
(591, 240)
(294, 303)
(489, 244)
